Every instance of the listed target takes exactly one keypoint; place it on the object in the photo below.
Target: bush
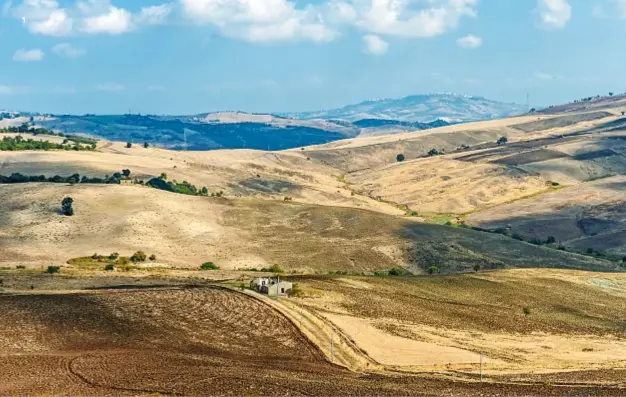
(146, 145)
(66, 206)
(114, 256)
(153, 257)
(551, 240)
(502, 140)
(139, 256)
(400, 158)
(109, 268)
(123, 261)
(526, 310)
(129, 145)
(590, 250)
(432, 270)
(209, 266)
(476, 268)
(295, 291)
(53, 269)
(398, 271)
(273, 269)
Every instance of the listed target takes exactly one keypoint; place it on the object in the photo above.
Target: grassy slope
(186, 231)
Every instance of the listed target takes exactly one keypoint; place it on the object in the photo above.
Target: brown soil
(188, 341)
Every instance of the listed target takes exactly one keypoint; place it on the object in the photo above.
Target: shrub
(432, 270)
(517, 236)
(551, 240)
(294, 291)
(129, 145)
(273, 269)
(66, 206)
(398, 271)
(109, 268)
(20, 267)
(153, 257)
(146, 145)
(114, 256)
(139, 256)
(476, 268)
(412, 213)
(380, 273)
(209, 266)
(526, 310)
(126, 173)
(53, 269)
(590, 250)
(123, 261)
(400, 158)
(555, 184)
(502, 140)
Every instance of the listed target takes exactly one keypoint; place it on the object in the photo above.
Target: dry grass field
(186, 231)
(573, 320)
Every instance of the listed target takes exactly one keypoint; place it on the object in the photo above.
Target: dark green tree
(126, 173)
(66, 206)
(400, 158)
(129, 145)
(146, 145)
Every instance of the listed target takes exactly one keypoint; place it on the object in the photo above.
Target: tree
(163, 176)
(610, 94)
(66, 206)
(502, 140)
(209, 266)
(551, 240)
(526, 310)
(432, 269)
(139, 256)
(152, 257)
(129, 145)
(476, 268)
(146, 145)
(53, 269)
(400, 158)
(126, 173)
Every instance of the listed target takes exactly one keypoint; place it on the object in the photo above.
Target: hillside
(424, 108)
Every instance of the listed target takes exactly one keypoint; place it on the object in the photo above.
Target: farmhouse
(271, 286)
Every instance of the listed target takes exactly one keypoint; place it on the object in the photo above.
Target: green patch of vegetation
(18, 143)
(432, 270)
(53, 269)
(184, 187)
(400, 158)
(273, 269)
(526, 310)
(17, 177)
(209, 266)
(111, 262)
(110, 267)
(295, 291)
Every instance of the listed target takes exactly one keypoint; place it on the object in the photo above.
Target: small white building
(271, 286)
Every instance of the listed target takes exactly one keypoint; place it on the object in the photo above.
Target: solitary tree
(610, 94)
(129, 145)
(126, 173)
(66, 206)
(400, 157)
(476, 267)
(146, 145)
(502, 140)
(139, 256)
(163, 176)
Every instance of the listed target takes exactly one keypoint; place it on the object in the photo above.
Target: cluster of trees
(183, 187)
(209, 266)
(115, 260)
(72, 179)
(19, 143)
(435, 152)
(27, 128)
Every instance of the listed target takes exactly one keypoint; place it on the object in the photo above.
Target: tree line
(19, 143)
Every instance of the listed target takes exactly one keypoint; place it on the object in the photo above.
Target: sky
(194, 56)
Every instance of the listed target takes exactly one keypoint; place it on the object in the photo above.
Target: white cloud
(66, 50)
(154, 15)
(110, 87)
(375, 45)
(469, 41)
(620, 5)
(6, 90)
(260, 20)
(48, 17)
(405, 18)
(553, 14)
(113, 21)
(543, 76)
(34, 55)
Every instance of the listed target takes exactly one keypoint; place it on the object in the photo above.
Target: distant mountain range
(449, 107)
(234, 130)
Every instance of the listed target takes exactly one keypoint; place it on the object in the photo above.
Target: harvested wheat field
(523, 322)
(187, 341)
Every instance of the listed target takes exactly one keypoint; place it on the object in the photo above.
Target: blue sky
(192, 56)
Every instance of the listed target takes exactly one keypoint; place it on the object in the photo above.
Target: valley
(488, 259)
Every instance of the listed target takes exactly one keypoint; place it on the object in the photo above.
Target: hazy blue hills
(237, 130)
(419, 108)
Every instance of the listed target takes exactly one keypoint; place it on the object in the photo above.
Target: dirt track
(185, 341)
